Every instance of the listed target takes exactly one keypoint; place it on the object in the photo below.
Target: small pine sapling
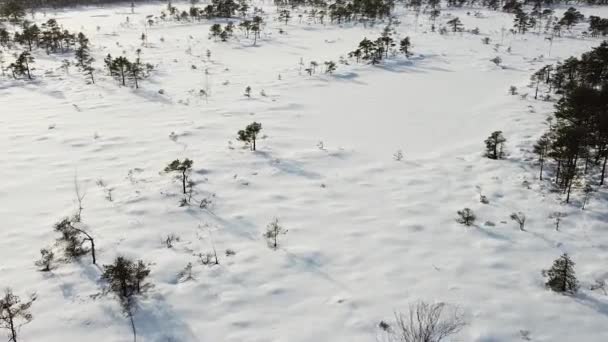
(273, 230)
(47, 258)
(466, 217)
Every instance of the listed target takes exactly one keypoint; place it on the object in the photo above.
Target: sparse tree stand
(250, 134)
(13, 313)
(183, 167)
(561, 276)
(495, 145)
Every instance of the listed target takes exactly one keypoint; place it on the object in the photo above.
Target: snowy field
(368, 235)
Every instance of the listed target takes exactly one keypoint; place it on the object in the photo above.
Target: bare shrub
(427, 323)
(170, 240)
(520, 218)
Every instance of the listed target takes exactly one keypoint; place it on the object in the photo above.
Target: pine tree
(183, 167)
(14, 314)
(466, 217)
(456, 24)
(21, 66)
(125, 279)
(404, 46)
(494, 145)
(84, 61)
(137, 70)
(521, 21)
(571, 17)
(541, 149)
(250, 134)
(120, 68)
(284, 15)
(13, 10)
(273, 230)
(216, 30)
(561, 276)
(28, 36)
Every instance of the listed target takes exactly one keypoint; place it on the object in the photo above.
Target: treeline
(577, 141)
(68, 3)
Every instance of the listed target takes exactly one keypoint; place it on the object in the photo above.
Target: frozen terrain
(368, 235)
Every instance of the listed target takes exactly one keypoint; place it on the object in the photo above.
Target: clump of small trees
(576, 144)
(123, 70)
(249, 135)
(374, 51)
(495, 145)
(225, 33)
(21, 67)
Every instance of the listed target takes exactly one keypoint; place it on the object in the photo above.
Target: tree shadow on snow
(156, 321)
(288, 166)
(598, 305)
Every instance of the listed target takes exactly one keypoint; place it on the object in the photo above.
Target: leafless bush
(170, 240)
(520, 218)
(185, 274)
(426, 323)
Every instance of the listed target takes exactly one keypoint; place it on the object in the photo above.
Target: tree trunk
(184, 181)
(93, 251)
(603, 171)
(27, 68)
(569, 188)
(11, 324)
(542, 163)
(132, 325)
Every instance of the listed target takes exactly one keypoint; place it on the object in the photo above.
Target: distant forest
(67, 3)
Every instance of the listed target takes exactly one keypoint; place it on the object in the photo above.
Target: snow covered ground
(367, 234)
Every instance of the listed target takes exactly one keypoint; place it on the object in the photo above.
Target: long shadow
(288, 166)
(491, 234)
(598, 305)
(156, 321)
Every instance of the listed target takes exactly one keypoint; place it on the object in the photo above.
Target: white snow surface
(368, 235)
